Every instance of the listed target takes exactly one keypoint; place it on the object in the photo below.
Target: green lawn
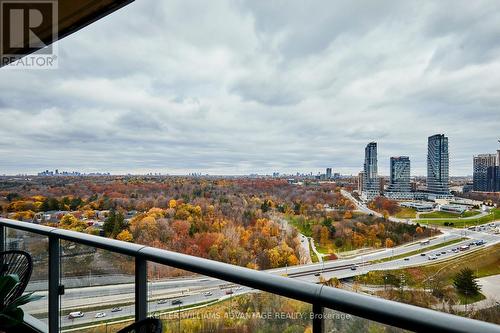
(470, 299)
(322, 249)
(438, 214)
(406, 213)
(460, 223)
(302, 224)
(470, 213)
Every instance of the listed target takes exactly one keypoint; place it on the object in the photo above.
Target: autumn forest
(251, 222)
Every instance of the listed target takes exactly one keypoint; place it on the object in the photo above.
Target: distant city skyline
(257, 87)
(371, 148)
(383, 169)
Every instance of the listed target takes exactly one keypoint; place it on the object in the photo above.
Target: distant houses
(55, 216)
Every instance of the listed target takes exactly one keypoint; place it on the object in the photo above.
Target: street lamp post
(466, 300)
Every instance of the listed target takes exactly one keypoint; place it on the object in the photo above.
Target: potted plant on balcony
(11, 315)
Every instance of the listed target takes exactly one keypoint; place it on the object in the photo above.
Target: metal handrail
(380, 310)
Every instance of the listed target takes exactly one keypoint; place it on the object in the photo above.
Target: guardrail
(379, 310)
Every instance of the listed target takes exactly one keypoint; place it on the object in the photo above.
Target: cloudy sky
(235, 87)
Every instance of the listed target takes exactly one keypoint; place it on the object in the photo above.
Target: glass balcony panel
(187, 302)
(37, 247)
(99, 286)
(336, 321)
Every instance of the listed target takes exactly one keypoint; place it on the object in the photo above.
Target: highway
(362, 208)
(156, 305)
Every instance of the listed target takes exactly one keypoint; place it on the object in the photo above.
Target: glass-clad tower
(438, 165)
(480, 176)
(400, 174)
(371, 181)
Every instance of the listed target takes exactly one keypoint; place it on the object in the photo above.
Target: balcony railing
(319, 296)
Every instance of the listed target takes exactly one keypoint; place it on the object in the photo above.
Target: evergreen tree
(12, 196)
(328, 222)
(109, 224)
(93, 197)
(64, 204)
(465, 282)
(75, 203)
(53, 204)
(45, 205)
(265, 206)
(119, 224)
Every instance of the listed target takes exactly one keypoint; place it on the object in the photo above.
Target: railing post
(141, 289)
(318, 323)
(2, 238)
(54, 277)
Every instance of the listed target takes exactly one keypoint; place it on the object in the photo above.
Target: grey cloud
(470, 33)
(267, 92)
(246, 86)
(303, 28)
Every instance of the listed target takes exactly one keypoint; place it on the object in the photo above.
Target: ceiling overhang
(51, 19)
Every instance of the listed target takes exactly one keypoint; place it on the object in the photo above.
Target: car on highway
(162, 301)
(100, 315)
(317, 274)
(407, 258)
(437, 254)
(76, 314)
(423, 254)
(176, 302)
(238, 288)
(443, 252)
(354, 267)
(207, 293)
(431, 258)
(116, 309)
(229, 292)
